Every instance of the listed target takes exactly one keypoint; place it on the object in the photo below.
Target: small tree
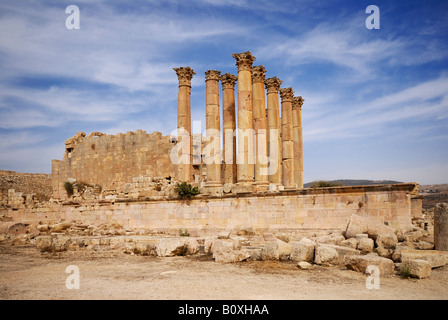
(68, 188)
(186, 190)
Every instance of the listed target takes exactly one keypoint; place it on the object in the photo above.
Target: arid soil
(26, 273)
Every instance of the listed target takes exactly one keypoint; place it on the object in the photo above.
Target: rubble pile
(361, 245)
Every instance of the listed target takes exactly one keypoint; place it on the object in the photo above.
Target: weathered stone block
(434, 257)
(366, 244)
(360, 263)
(417, 268)
(387, 241)
(332, 254)
(169, 247)
(302, 250)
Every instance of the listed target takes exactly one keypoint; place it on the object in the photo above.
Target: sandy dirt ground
(26, 273)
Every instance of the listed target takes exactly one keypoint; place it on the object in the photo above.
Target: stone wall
(320, 208)
(112, 161)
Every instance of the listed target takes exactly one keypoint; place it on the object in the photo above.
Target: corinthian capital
(286, 94)
(212, 75)
(297, 102)
(258, 74)
(228, 81)
(184, 74)
(244, 60)
(273, 84)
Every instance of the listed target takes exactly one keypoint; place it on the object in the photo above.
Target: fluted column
(229, 126)
(245, 161)
(260, 126)
(213, 132)
(297, 103)
(184, 74)
(286, 95)
(273, 129)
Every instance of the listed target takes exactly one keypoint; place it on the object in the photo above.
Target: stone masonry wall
(321, 208)
(111, 161)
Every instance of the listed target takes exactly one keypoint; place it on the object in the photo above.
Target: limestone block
(223, 251)
(334, 239)
(396, 255)
(43, 243)
(192, 246)
(332, 254)
(434, 257)
(417, 268)
(411, 236)
(350, 243)
(360, 263)
(365, 245)
(60, 244)
(14, 228)
(359, 224)
(303, 265)
(168, 247)
(387, 241)
(302, 250)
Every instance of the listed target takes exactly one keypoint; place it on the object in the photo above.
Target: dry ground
(25, 273)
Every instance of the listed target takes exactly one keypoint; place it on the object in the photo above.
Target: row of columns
(264, 156)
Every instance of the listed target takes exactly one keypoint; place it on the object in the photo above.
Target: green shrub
(186, 190)
(325, 184)
(69, 188)
(405, 272)
(184, 233)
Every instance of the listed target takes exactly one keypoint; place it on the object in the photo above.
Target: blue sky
(376, 101)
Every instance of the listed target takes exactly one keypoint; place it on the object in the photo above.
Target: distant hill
(348, 182)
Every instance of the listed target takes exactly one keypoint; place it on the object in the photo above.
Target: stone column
(260, 126)
(273, 129)
(184, 75)
(286, 95)
(441, 227)
(297, 103)
(213, 132)
(229, 126)
(245, 160)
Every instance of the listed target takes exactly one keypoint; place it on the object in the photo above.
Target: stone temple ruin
(250, 183)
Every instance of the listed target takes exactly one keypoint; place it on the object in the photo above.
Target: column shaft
(273, 129)
(229, 127)
(297, 103)
(245, 160)
(213, 132)
(286, 95)
(260, 126)
(184, 75)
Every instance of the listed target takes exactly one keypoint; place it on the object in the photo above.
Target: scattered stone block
(417, 268)
(424, 245)
(303, 265)
(360, 263)
(224, 252)
(365, 244)
(441, 226)
(434, 257)
(168, 247)
(386, 241)
(350, 243)
(332, 254)
(302, 250)
(411, 236)
(358, 224)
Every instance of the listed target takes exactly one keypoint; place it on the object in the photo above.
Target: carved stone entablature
(273, 84)
(184, 74)
(297, 102)
(212, 75)
(228, 81)
(286, 94)
(258, 74)
(244, 60)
